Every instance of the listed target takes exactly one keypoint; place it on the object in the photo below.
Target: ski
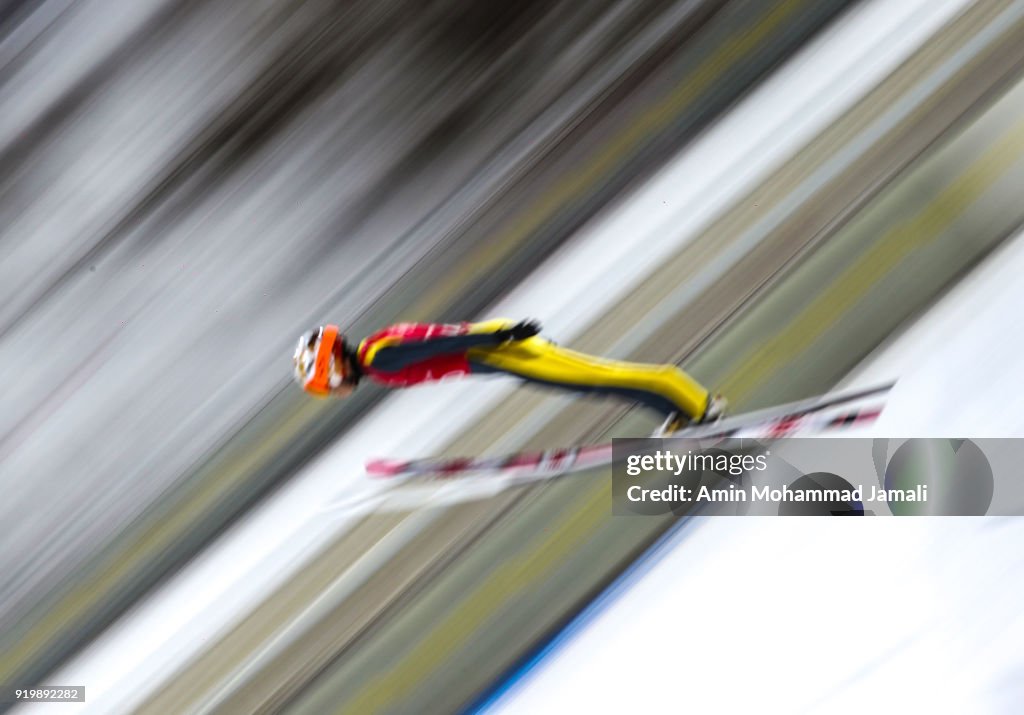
(769, 423)
(785, 419)
(547, 462)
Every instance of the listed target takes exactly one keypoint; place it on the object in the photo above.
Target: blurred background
(773, 193)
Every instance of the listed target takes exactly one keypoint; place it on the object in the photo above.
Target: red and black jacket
(411, 353)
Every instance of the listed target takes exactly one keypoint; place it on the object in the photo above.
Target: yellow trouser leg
(661, 386)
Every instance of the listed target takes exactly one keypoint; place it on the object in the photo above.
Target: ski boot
(676, 421)
(717, 405)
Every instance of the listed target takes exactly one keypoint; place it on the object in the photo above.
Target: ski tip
(383, 467)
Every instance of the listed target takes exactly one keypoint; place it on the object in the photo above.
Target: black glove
(520, 331)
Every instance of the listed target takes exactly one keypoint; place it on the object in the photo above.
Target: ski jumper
(411, 353)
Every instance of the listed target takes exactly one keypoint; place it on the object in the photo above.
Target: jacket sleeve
(407, 352)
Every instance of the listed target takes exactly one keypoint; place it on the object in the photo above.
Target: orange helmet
(320, 360)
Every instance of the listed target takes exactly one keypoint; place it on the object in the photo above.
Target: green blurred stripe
(763, 361)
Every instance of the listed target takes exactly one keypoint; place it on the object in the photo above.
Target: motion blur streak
(188, 185)
(200, 180)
